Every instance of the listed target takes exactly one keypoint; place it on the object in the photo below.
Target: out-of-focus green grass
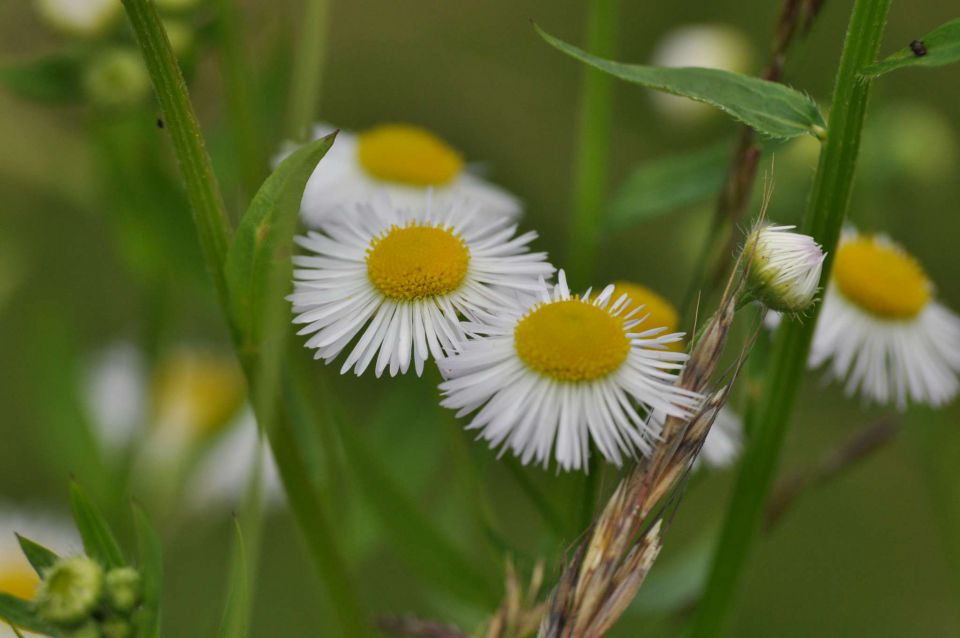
(863, 556)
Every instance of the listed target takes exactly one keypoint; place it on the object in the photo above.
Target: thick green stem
(768, 416)
(306, 79)
(593, 145)
(237, 79)
(206, 202)
(276, 418)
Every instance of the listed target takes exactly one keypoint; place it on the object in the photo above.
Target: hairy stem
(768, 417)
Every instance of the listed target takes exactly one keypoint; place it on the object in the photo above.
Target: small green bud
(116, 628)
(70, 590)
(116, 77)
(123, 588)
(88, 629)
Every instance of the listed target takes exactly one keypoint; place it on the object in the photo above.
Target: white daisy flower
(881, 329)
(402, 160)
(85, 18)
(709, 46)
(17, 577)
(553, 373)
(785, 267)
(401, 278)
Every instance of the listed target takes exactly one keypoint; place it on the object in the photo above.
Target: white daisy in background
(401, 279)
(85, 18)
(401, 160)
(882, 331)
(553, 373)
(785, 267)
(710, 46)
(17, 577)
(724, 441)
(183, 420)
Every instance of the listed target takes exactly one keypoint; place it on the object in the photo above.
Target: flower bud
(116, 77)
(84, 18)
(116, 628)
(88, 629)
(784, 267)
(70, 590)
(122, 588)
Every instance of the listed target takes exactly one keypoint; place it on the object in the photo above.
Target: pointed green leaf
(39, 556)
(55, 78)
(236, 616)
(771, 108)
(151, 571)
(664, 185)
(20, 613)
(939, 47)
(98, 540)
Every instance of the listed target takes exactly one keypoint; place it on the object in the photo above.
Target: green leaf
(676, 584)
(773, 109)
(942, 47)
(54, 78)
(39, 556)
(98, 540)
(236, 616)
(151, 571)
(664, 185)
(19, 613)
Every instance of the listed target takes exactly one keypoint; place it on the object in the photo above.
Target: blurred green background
(875, 552)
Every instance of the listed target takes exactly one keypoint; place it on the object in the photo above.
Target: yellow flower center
(408, 155)
(661, 312)
(571, 341)
(414, 262)
(881, 279)
(19, 580)
(197, 392)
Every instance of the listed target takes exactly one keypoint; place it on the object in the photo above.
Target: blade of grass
(306, 81)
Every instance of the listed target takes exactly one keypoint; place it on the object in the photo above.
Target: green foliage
(663, 185)
(98, 540)
(20, 613)
(54, 79)
(236, 617)
(39, 556)
(151, 570)
(772, 109)
(942, 46)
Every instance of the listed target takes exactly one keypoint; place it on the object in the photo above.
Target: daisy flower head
(658, 310)
(83, 18)
(785, 267)
(402, 160)
(400, 279)
(882, 331)
(553, 373)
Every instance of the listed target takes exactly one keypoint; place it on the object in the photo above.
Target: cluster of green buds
(101, 57)
(784, 268)
(81, 599)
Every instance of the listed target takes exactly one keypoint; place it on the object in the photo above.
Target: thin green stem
(593, 145)
(275, 418)
(769, 416)
(238, 78)
(206, 202)
(306, 80)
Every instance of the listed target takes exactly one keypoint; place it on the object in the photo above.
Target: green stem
(593, 145)
(769, 416)
(206, 202)
(275, 418)
(238, 77)
(306, 80)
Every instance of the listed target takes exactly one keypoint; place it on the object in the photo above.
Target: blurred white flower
(85, 18)
(882, 331)
(724, 440)
(400, 279)
(549, 374)
(16, 575)
(401, 160)
(711, 46)
(785, 267)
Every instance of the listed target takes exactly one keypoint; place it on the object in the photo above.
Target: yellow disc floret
(571, 340)
(408, 155)
(417, 261)
(196, 392)
(18, 580)
(881, 279)
(661, 312)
